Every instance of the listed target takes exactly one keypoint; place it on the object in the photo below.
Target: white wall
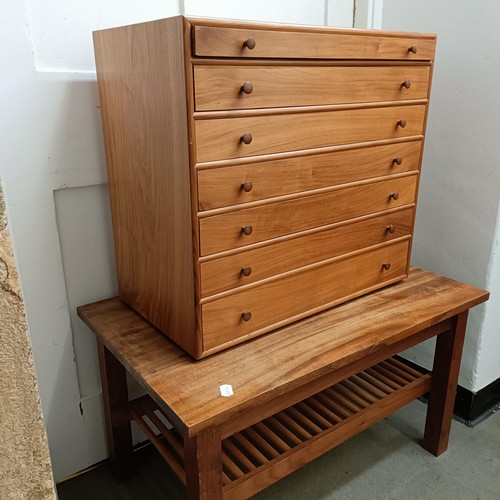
(458, 218)
(52, 167)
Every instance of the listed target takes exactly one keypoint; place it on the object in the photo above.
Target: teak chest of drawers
(258, 173)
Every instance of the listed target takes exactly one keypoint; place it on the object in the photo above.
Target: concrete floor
(382, 463)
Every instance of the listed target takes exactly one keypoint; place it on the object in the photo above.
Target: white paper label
(226, 390)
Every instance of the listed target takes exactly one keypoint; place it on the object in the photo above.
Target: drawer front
(287, 299)
(237, 184)
(222, 138)
(253, 265)
(225, 231)
(234, 42)
(221, 87)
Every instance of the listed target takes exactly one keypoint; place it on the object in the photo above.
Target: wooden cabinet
(258, 173)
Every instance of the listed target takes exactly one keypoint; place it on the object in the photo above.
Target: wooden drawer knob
(246, 271)
(401, 123)
(249, 43)
(247, 88)
(247, 137)
(406, 84)
(247, 186)
(413, 49)
(386, 266)
(246, 316)
(247, 229)
(394, 195)
(390, 229)
(398, 160)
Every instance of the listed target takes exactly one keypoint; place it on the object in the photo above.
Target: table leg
(115, 398)
(203, 459)
(445, 370)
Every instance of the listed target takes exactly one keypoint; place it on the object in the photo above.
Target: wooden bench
(297, 392)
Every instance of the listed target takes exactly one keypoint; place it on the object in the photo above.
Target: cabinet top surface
(236, 23)
(263, 25)
(268, 366)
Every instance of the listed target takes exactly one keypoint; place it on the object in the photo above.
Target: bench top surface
(270, 365)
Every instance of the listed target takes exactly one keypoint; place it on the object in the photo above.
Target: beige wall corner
(25, 468)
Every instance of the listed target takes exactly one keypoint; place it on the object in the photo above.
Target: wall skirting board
(471, 408)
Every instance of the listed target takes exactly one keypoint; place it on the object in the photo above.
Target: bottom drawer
(257, 310)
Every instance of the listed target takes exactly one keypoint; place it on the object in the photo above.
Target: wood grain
(222, 187)
(115, 406)
(304, 453)
(158, 148)
(331, 44)
(223, 232)
(445, 370)
(295, 355)
(299, 294)
(203, 465)
(225, 273)
(218, 139)
(147, 159)
(219, 87)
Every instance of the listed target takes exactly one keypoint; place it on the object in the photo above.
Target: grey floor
(382, 463)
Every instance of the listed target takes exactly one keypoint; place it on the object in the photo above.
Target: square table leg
(203, 459)
(115, 398)
(447, 357)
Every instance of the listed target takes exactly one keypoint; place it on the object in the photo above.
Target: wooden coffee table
(297, 392)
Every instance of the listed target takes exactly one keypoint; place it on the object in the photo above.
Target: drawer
(222, 138)
(221, 87)
(253, 265)
(225, 231)
(221, 187)
(212, 41)
(287, 299)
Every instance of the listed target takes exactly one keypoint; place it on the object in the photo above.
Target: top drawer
(212, 41)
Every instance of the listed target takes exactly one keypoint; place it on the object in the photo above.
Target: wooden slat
(304, 420)
(238, 456)
(372, 389)
(397, 371)
(243, 443)
(297, 429)
(335, 407)
(167, 455)
(390, 375)
(281, 430)
(379, 376)
(359, 391)
(404, 366)
(315, 402)
(351, 395)
(271, 437)
(387, 389)
(342, 400)
(232, 468)
(319, 444)
(313, 415)
(343, 408)
(168, 434)
(260, 442)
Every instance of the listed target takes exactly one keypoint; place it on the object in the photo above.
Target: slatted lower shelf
(261, 454)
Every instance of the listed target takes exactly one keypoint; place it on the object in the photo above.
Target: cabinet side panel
(141, 80)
